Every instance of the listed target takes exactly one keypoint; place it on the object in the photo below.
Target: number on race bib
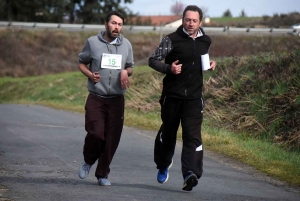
(111, 61)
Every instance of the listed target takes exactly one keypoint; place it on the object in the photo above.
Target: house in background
(160, 20)
(154, 20)
(176, 23)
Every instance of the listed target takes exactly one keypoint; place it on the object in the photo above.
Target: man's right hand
(176, 68)
(95, 77)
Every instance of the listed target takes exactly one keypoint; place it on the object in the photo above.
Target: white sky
(216, 8)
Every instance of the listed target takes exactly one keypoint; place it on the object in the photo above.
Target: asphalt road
(41, 151)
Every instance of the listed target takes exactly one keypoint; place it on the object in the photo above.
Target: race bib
(112, 61)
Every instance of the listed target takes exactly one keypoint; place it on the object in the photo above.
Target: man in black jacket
(181, 100)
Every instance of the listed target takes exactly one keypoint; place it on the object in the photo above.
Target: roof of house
(157, 20)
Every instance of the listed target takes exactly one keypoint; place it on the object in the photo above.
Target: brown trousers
(104, 120)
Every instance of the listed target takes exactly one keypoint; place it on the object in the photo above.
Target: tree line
(60, 11)
(94, 12)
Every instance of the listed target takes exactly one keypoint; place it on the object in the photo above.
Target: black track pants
(190, 114)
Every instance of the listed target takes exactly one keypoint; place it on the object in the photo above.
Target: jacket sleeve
(129, 61)
(85, 55)
(160, 54)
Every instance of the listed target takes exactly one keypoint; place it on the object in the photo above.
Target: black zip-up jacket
(179, 46)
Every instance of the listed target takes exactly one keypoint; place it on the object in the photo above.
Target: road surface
(41, 151)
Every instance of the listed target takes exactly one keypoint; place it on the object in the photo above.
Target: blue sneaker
(190, 181)
(163, 174)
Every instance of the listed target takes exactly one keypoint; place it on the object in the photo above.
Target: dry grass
(31, 52)
(258, 95)
(144, 98)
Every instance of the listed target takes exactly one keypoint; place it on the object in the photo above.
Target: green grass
(264, 156)
(66, 90)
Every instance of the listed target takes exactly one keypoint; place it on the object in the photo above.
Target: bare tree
(177, 8)
(243, 14)
(204, 11)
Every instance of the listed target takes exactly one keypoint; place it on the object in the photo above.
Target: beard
(112, 34)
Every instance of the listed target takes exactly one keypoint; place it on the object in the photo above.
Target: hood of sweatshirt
(101, 38)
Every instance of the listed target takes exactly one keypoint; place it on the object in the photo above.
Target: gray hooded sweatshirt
(91, 55)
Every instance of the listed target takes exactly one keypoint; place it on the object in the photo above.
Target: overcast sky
(216, 8)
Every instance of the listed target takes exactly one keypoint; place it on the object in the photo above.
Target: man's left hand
(213, 65)
(124, 79)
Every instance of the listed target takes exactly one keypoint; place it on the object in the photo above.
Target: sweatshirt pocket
(109, 83)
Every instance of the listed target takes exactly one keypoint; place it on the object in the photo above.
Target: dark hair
(193, 8)
(117, 13)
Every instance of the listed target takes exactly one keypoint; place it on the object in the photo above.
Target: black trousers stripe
(190, 114)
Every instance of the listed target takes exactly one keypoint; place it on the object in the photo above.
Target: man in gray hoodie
(107, 61)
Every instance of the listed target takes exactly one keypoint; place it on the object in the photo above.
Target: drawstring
(109, 48)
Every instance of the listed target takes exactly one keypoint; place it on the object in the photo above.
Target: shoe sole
(165, 180)
(104, 184)
(82, 177)
(190, 183)
(167, 174)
